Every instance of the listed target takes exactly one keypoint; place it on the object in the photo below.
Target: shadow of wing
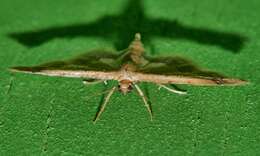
(174, 29)
(99, 28)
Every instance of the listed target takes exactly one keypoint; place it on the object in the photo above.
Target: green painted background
(53, 116)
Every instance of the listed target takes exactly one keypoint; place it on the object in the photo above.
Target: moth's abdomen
(136, 49)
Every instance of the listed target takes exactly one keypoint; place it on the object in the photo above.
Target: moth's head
(125, 86)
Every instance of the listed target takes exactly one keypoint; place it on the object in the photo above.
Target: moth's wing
(94, 64)
(177, 70)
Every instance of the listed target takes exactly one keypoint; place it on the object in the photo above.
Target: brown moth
(129, 68)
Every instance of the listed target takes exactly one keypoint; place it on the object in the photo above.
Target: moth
(129, 67)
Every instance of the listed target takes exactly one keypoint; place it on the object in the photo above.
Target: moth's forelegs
(172, 89)
(93, 81)
(141, 94)
(102, 108)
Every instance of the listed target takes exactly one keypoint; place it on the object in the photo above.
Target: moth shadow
(120, 29)
(177, 88)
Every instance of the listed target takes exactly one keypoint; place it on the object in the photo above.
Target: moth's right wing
(94, 64)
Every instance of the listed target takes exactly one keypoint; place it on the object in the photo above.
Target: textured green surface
(52, 116)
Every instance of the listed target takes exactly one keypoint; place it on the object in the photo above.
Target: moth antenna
(102, 108)
(172, 89)
(141, 94)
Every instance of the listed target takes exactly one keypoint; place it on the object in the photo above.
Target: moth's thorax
(125, 86)
(126, 73)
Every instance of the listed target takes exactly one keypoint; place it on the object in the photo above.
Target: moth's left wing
(177, 70)
(94, 64)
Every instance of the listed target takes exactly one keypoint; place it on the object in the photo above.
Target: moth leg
(93, 81)
(172, 89)
(104, 104)
(141, 94)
